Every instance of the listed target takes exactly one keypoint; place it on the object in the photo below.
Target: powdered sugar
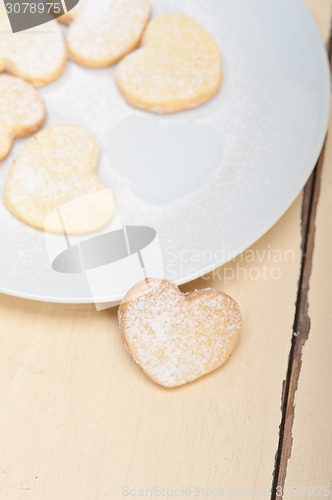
(22, 111)
(38, 55)
(177, 338)
(56, 168)
(100, 36)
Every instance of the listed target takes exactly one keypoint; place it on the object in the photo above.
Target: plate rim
(324, 121)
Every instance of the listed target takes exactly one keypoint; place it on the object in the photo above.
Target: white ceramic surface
(211, 181)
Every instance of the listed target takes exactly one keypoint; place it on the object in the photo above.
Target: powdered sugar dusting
(22, 111)
(100, 35)
(177, 338)
(38, 55)
(55, 168)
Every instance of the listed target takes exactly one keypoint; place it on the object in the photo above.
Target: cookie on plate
(37, 55)
(175, 337)
(101, 33)
(52, 184)
(177, 67)
(22, 111)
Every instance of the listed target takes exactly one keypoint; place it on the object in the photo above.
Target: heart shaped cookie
(52, 183)
(178, 66)
(101, 33)
(22, 111)
(37, 55)
(175, 337)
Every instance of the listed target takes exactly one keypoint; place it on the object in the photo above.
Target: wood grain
(310, 463)
(301, 328)
(302, 322)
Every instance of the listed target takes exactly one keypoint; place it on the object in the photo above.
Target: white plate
(211, 181)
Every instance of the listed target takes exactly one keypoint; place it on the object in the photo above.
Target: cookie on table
(52, 184)
(101, 33)
(38, 55)
(22, 111)
(174, 337)
(177, 67)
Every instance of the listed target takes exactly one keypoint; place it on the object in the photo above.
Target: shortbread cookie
(175, 337)
(52, 183)
(22, 111)
(102, 32)
(177, 67)
(38, 55)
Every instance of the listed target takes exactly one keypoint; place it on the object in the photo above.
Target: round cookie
(22, 111)
(177, 67)
(37, 55)
(52, 183)
(101, 33)
(175, 337)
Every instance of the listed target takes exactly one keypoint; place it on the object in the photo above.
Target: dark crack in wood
(301, 325)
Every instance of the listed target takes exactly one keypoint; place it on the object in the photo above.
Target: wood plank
(301, 330)
(310, 464)
(78, 419)
(302, 320)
